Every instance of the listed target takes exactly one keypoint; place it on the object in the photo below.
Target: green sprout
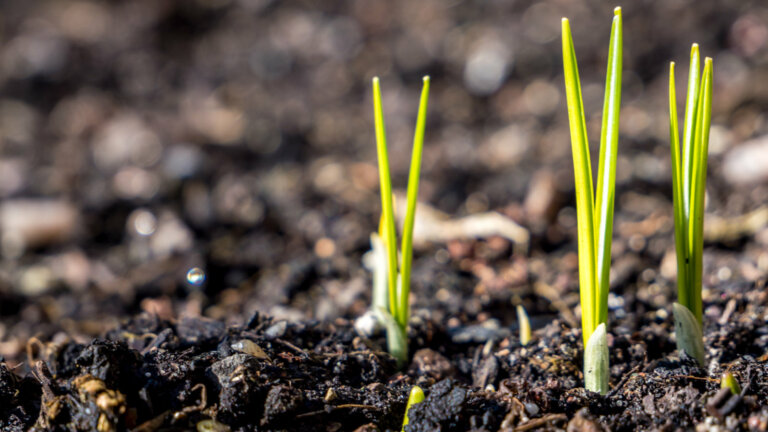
(525, 325)
(729, 381)
(416, 396)
(395, 313)
(594, 212)
(689, 177)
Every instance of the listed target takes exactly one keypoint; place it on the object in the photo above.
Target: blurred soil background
(142, 139)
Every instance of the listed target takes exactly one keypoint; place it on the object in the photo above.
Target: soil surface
(188, 187)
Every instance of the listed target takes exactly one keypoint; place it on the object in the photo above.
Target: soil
(187, 190)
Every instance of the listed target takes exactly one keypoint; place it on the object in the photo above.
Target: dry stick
(313, 413)
(623, 381)
(541, 421)
(294, 348)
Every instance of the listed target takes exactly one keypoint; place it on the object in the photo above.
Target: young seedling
(395, 312)
(729, 381)
(594, 212)
(525, 325)
(689, 177)
(416, 396)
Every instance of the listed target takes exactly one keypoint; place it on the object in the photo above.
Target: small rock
(367, 325)
(440, 409)
(196, 330)
(125, 140)
(531, 408)
(26, 223)
(431, 363)
(746, 163)
(171, 236)
(224, 369)
(276, 330)
(489, 330)
(35, 280)
(330, 396)
(281, 403)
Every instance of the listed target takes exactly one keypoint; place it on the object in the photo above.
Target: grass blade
(681, 243)
(385, 182)
(698, 187)
(691, 107)
(606, 180)
(410, 214)
(583, 177)
(524, 324)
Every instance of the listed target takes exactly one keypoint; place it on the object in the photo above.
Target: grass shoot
(525, 325)
(729, 381)
(689, 176)
(416, 396)
(594, 212)
(394, 314)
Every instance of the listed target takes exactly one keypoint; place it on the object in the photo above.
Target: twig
(624, 380)
(541, 421)
(342, 406)
(293, 347)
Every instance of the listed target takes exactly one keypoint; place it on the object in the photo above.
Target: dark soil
(187, 189)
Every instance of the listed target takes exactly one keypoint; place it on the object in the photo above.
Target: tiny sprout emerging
(689, 177)
(392, 309)
(729, 381)
(594, 211)
(525, 325)
(416, 396)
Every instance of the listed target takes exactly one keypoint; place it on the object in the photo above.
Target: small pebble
(531, 408)
(330, 395)
(277, 330)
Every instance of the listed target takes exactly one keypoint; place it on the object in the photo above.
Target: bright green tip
(729, 381)
(617, 11)
(426, 78)
(375, 80)
(416, 396)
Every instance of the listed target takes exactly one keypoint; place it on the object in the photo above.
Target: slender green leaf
(698, 187)
(691, 107)
(606, 179)
(681, 233)
(596, 369)
(410, 214)
(583, 180)
(385, 182)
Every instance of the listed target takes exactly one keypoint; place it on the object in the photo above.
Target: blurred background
(216, 157)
